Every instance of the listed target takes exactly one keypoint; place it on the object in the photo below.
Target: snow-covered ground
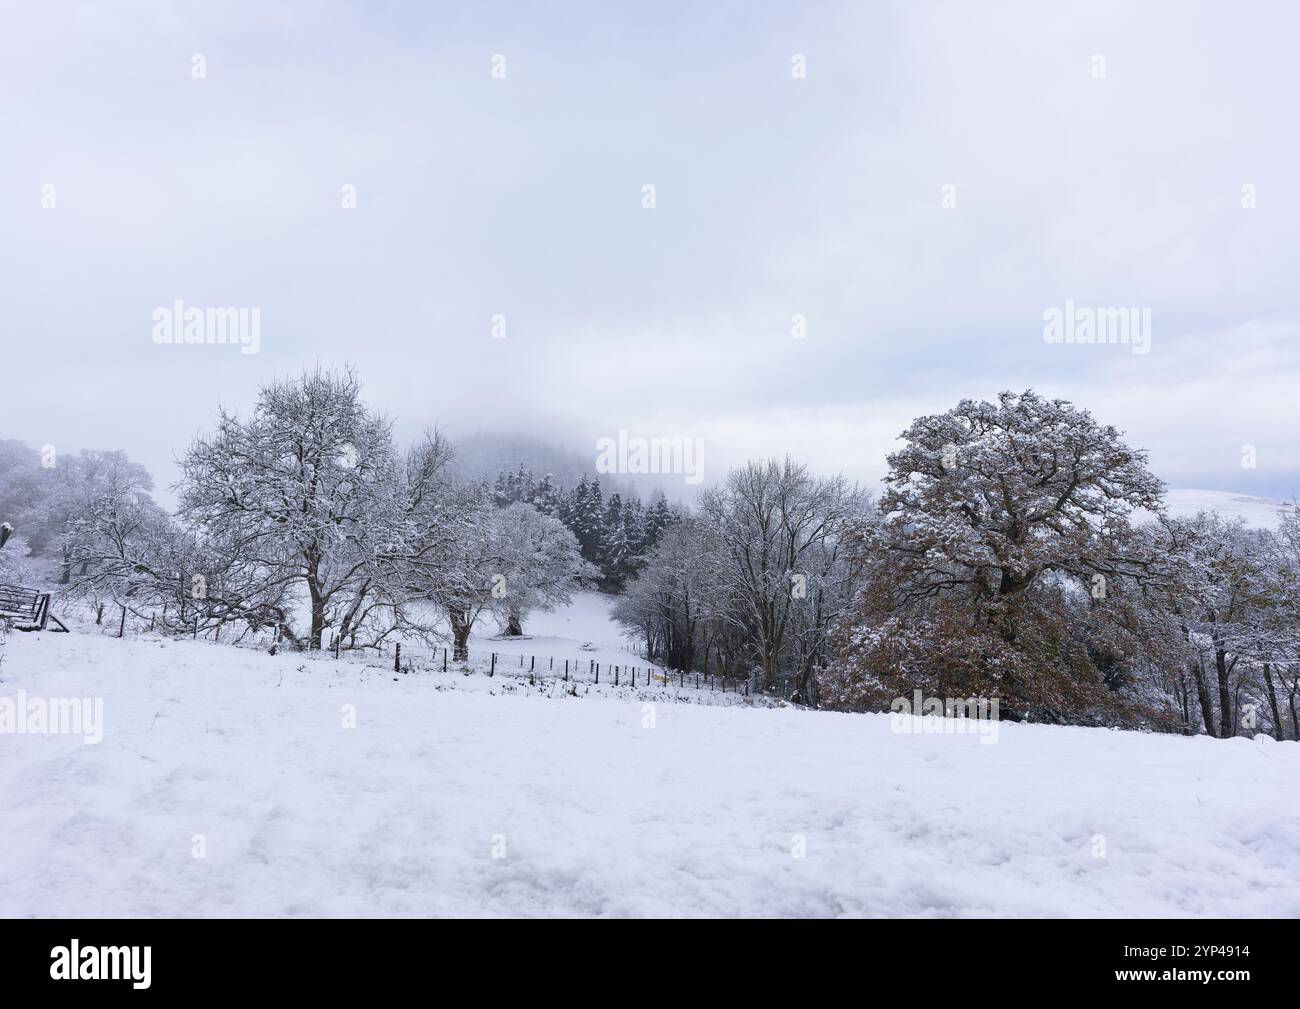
(463, 795)
(1259, 512)
(584, 628)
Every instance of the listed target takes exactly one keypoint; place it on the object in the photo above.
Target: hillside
(593, 812)
(1258, 512)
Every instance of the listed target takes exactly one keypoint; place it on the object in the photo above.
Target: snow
(1259, 513)
(584, 629)
(598, 813)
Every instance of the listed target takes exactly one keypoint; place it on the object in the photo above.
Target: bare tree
(774, 522)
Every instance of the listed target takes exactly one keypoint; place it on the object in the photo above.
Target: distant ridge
(1259, 512)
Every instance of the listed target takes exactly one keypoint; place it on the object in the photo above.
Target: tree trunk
(317, 598)
(460, 628)
(347, 629)
(803, 688)
(317, 615)
(1290, 700)
(1225, 697)
(1203, 696)
(1272, 703)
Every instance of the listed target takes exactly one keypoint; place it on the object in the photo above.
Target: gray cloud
(775, 197)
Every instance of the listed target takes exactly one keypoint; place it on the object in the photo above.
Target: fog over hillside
(484, 454)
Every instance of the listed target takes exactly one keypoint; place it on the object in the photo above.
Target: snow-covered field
(461, 795)
(1258, 512)
(584, 628)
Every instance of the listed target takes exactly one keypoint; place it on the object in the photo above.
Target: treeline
(1019, 550)
(303, 518)
(45, 494)
(614, 535)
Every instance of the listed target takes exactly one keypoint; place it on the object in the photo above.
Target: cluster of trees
(614, 535)
(1235, 593)
(754, 579)
(49, 497)
(1019, 550)
(308, 507)
(1022, 551)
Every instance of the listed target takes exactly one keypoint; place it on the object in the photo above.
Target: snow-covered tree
(617, 558)
(457, 578)
(308, 487)
(25, 489)
(679, 596)
(775, 523)
(1006, 534)
(658, 517)
(545, 496)
(1222, 607)
(1282, 622)
(113, 534)
(586, 517)
(502, 561)
(538, 564)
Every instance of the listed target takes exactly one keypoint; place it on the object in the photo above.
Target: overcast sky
(775, 196)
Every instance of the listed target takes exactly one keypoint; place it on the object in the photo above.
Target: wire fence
(405, 658)
(408, 659)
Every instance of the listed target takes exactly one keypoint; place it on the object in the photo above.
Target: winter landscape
(735, 461)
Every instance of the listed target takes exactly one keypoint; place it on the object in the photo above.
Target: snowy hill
(463, 795)
(1259, 513)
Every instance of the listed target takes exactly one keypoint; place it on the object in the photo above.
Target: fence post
(598, 675)
(532, 663)
(566, 670)
(397, 658)
(493, 670)
(616, 676)
(444, 660)
(634, 676)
